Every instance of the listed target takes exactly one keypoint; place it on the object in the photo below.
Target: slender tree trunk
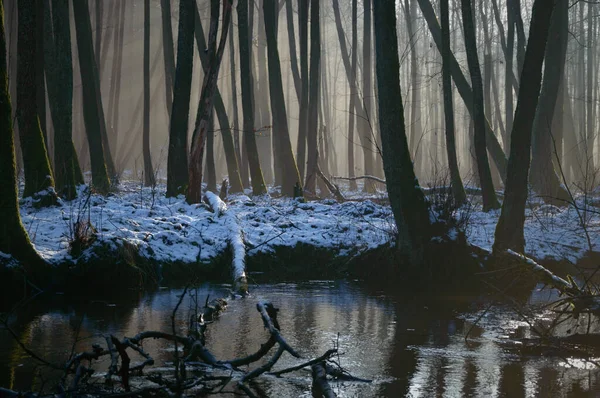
(313, 98)
(88, 69)
(289, 13)
(246, 79)
(410, 208)
(352, 105)
(211, 172)
(228, 144)
(509, 230)
(367, 128)
(177, 171)
(148, 169)
(544, 178)
(40, 81)
(458, 190)
(115, 83)
(38, 176)
(205, 106)
(303, 7)
(169, 52)
(483, 167)
(13, 238)
(290, 176)
(234, 100)
(492, 144)
(59, 72)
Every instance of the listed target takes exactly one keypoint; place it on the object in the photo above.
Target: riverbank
(137, 236)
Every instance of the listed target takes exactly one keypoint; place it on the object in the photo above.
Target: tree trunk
(59, 73)
(290, 176)
(352, 105)
(246, 79)
(236, 125)
(38, 176)
(211, 172)
(169, 52)
(114, 104)
(148, 169)
(40, 81)
(411, 210)
(88, 70)
(313, 99)
(544, 178)
(509, 230)
(458, 189)
(367, 92)
(205, 106)
(303, 6)
(13, 238)
(493, 146)
(233, 170)
(483, 167)
(289, 13)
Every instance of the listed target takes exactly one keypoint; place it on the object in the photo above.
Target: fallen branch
(265, 309)
(367, 177)
(322, 358)
(321, 387)
(334, 189)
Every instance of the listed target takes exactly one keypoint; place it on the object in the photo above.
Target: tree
(59, 78)
(509, 230)
(177, 167)
(410, 208)
(148, 169)
(205, 106)
(168, 52)
(303, 7)
(91, 110)
(544, 178)
(250, 148)
(38, 175)
(233, 169)
(289, 172)
(367, 93)
(458, 190)
(483, 167)
(13, 238)
(464, 89)
(313, 99)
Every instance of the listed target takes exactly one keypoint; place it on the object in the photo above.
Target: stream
(409, 346)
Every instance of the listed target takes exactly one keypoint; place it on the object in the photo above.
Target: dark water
(410, 346)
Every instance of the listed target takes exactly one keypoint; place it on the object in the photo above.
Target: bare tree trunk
(148, 169)
(38, 175)
(290, 176)
(367, 131)
(313, 116)
(13, 238)
(458, 189)
(303, 7)
(483, 168)
(509, 230)
(169, 52)
(411, 210)
(205, 106)
(246, 79)
(289, 14)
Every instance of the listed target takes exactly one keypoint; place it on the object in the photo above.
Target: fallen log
(320, 386)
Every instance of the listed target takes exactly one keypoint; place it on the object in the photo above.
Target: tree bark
(168, 52)
(367, 92)
(544, 179)
(13, 238)
(205, 106)
(246, 79)
(464, 89)
(483, 167)
(149, 179)
(59, 77)
(177, 167)
(88, 70)
(38, 175)
(313, 99)
(458, 189)
(411, 210)
(233, 169)
(509, 230)
(303, 7)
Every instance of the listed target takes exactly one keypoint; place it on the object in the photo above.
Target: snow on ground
(168, 229)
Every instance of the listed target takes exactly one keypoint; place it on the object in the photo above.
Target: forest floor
(168, 229)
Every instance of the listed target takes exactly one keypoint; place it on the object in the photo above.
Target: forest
(285, 198)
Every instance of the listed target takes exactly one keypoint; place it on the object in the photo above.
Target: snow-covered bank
(169, 230)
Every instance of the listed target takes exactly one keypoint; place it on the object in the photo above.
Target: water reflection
(410, 346)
